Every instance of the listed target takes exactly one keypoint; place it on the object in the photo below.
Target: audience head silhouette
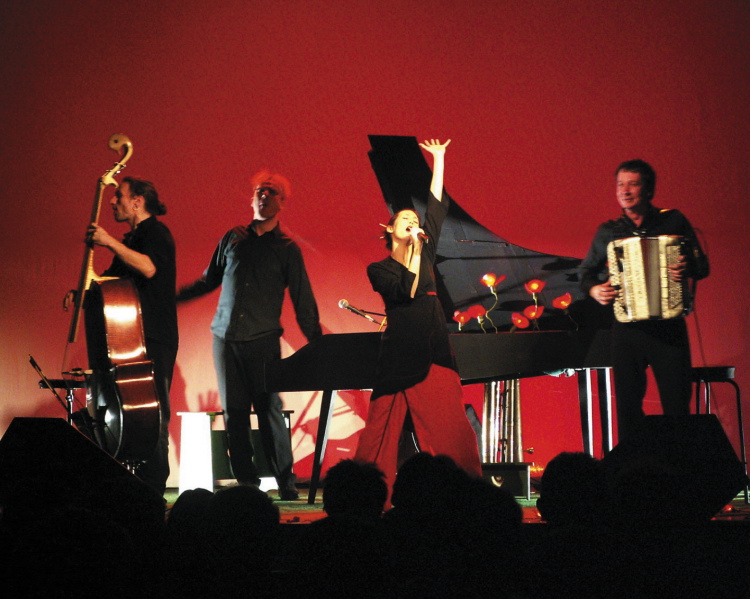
(572, 490)
(355, 488)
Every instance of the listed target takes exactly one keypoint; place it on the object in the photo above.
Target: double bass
(122, 401)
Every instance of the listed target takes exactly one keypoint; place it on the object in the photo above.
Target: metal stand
(501, 422)
(721, 374)
(501, 445)
(53, 384)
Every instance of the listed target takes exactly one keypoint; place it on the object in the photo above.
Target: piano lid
(467, 250)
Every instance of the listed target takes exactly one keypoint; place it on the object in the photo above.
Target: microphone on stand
(346, 306)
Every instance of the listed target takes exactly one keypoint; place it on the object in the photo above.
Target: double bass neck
(124, 147)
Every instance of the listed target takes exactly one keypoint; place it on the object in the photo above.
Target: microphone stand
(364, 313)
(69, 387)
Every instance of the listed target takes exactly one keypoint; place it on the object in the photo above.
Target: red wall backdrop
(542, 100)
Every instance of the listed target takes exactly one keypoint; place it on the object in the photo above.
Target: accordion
(638, 269)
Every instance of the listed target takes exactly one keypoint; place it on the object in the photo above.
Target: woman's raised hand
(433, 146)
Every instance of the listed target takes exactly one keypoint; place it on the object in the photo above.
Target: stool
(705, 375)
(203, 456)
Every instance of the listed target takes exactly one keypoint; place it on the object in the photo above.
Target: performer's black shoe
(289, 494)
(287, 487)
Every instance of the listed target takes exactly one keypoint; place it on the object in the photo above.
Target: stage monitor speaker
(514, 477)
(52, 451)
(695, 451)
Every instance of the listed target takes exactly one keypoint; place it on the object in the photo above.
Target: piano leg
(585, 400)
(501, 423)
(491, 423)
(324, 424)
(585, 404)
(604, 387)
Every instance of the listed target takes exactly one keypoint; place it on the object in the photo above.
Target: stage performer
(662, 344)
(416, 371)
(147, 256)
(254, 265)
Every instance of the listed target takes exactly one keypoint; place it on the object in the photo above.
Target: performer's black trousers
(155, 470)
(239, 371)
(663, 345)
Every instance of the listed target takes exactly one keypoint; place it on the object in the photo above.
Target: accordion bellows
(638, 269)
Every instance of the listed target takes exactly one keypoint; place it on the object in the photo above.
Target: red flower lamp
(461, 318)
(519, 321)
(562, 302)
(534, 286)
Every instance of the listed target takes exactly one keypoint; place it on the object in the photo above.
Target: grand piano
(575, 342)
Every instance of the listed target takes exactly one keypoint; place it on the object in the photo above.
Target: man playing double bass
(147, 257)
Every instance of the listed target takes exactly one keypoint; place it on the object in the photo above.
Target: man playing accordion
(661, 340)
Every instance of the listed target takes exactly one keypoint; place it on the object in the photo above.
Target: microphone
(422, 236)
(346, 306)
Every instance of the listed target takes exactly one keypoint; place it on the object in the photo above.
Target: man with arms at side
(254, 265)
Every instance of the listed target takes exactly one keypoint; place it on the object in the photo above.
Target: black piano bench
(704, 376)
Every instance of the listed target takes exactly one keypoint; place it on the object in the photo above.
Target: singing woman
(417, 372)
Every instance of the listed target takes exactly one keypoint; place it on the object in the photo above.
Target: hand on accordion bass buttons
(677, 270)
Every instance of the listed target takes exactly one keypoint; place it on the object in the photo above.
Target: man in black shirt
(147, 256)
(254, 265)
(661, 344)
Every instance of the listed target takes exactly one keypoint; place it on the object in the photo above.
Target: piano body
(578, 341)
